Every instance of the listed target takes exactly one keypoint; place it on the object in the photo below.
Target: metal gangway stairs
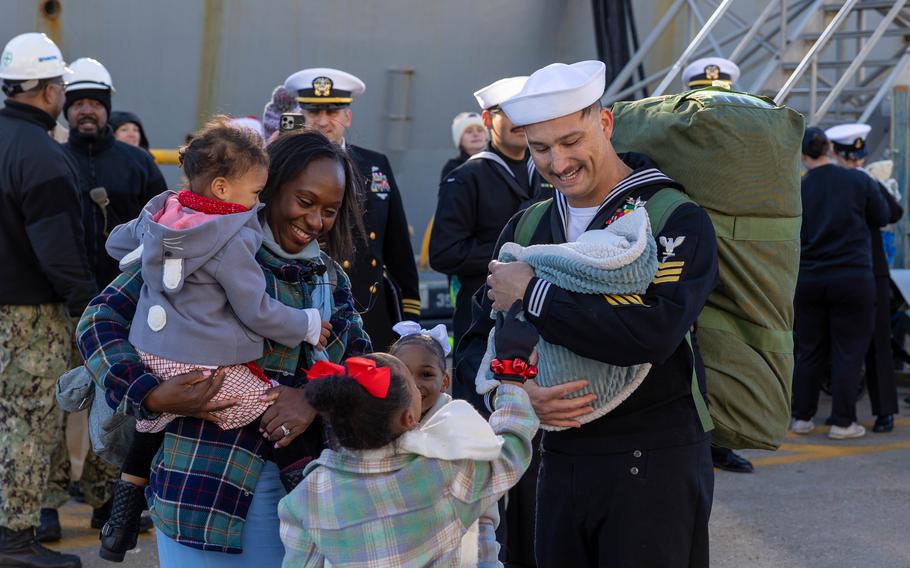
(833, 61)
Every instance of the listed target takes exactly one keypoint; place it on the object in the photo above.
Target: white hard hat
(88, 73)
(31, 56)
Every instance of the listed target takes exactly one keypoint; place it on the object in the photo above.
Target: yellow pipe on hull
(165, 156)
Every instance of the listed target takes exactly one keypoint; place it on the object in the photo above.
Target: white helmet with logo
(88, 73)
(31, 56)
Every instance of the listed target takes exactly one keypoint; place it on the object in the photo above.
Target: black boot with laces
(121, 531)
(20, 549)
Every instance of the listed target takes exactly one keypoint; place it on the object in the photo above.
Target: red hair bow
(374, 379)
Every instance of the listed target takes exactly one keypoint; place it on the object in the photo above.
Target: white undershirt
(579, 219)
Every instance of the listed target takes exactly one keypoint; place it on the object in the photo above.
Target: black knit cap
(103, 96)
(118, 118)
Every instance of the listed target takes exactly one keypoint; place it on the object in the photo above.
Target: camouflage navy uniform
(35, 344)
(95, 481)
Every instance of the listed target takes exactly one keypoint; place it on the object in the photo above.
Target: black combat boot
(49, 530)
(20, 549)
(121, 531)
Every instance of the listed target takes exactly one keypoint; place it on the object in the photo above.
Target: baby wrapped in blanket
(620, 259)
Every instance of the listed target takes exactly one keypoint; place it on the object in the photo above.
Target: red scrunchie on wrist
(514, 367)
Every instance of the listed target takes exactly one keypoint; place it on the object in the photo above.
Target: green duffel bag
(737, 155)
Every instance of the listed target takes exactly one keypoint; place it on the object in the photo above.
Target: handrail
(858, 60)
(816, 47)
(700, 37)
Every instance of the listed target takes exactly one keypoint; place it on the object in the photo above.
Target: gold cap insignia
(712, 72)
(858, 143)
(322, 86)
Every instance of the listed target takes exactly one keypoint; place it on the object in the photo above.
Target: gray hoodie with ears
(203, 299)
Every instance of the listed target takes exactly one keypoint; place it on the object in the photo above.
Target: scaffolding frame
(813, 55)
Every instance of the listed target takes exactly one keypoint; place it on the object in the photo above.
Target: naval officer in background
(383, 271)
(848, 141)
(717, 72)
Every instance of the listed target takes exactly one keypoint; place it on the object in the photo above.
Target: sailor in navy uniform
(717, 72)
(849, 144)
(477, 199)
(475, 202)
(383, 271)
(634, 487)
(710, 72)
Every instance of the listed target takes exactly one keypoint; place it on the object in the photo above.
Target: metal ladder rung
(844, 91)
(855, 34)
(869, 5)
(838, 64)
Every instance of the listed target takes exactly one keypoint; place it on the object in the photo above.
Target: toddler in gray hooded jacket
(203, 302)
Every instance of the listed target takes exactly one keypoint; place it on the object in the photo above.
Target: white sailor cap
(495, 93)
(705, 71)
(849, 140)
(557, 90)
(324, 88)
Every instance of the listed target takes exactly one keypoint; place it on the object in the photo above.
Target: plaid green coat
(202, 479)
(382, 508)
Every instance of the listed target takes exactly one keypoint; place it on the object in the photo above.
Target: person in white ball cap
(383, 272)
(634, 487)
(475, 202)
(710, 72)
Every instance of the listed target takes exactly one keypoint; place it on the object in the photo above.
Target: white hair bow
(439, 333)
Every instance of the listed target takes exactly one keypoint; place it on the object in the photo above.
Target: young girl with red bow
(392, 491)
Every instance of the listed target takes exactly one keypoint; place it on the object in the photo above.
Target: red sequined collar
(208, 205)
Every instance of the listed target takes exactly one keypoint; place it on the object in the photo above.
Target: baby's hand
(324, 335)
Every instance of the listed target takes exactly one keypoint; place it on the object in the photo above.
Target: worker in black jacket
(383, 271)
(879, 359)
(116, 179)
(634, 487)
(44, 281)
(835, 293)
(115, 182)
(475, 202)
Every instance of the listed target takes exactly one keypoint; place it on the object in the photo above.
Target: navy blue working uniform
(130, 179)
(383, 272)
(475, 202)
(610, 482)
(879, 359)
(835, 293)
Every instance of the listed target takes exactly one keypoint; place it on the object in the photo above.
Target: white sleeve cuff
(314, 326)
(537, 299)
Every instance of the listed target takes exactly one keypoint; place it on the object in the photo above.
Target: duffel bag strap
(530, 219)
(662, 205)
(701, 407)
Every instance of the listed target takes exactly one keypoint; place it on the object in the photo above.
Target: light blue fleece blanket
(619, 259)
